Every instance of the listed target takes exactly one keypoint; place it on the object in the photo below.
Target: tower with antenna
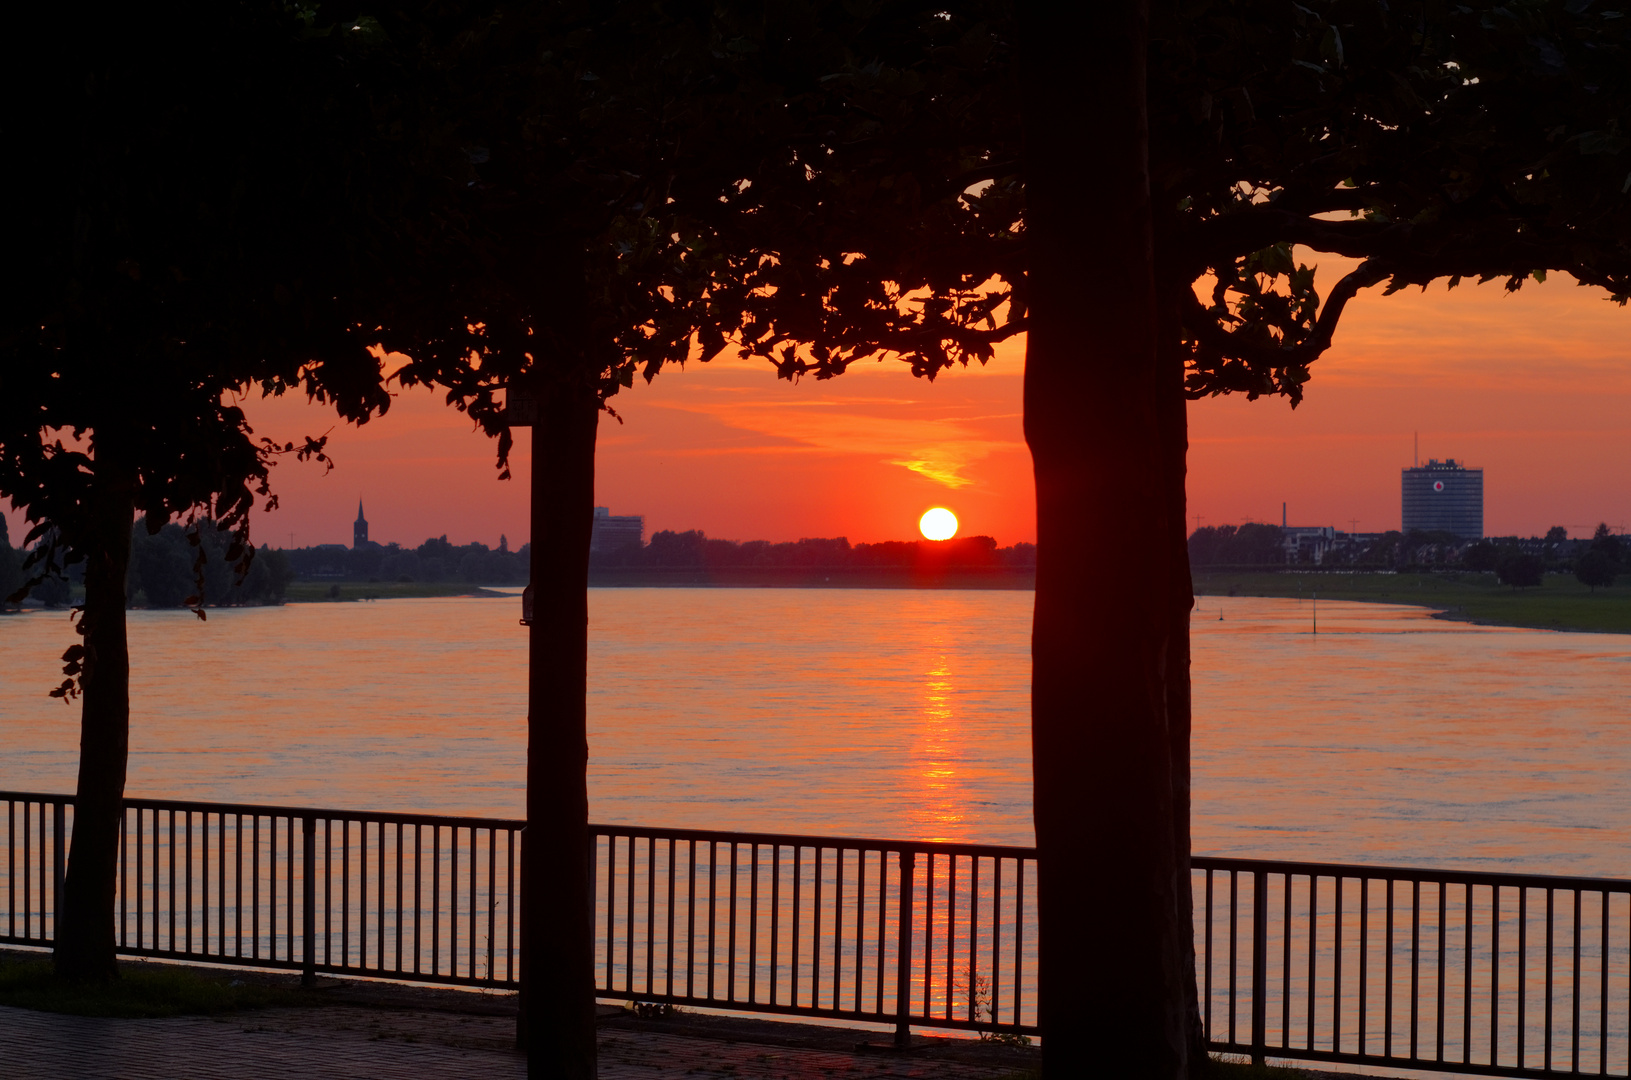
(1443, 495)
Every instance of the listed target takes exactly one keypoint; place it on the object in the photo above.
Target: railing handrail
(851, 843)
(1503, 878)
(1007, 851)
(275, 810)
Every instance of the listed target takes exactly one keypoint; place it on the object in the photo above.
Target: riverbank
(816, 577)
(1559, 603)
(322, 592)
(775, 577)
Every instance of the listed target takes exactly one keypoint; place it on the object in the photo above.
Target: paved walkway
(347, 1043)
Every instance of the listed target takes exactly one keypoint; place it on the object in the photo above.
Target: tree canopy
(809, 183)
(1428, 141)
(625, 186)
(184, 247)
(205, 214)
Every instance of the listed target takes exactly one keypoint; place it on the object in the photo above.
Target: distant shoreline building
(359, 529)
(1306, 543)
(613, 533)
(1443, 495)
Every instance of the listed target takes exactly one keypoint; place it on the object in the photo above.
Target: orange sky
(1536, 388)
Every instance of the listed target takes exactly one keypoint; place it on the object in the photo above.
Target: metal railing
(940, 935)
(1455, 971)
(417, 897)
(914, 934)
(1452, 971)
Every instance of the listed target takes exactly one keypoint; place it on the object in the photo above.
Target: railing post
(308, 900)
(1260, 964)
(523, 996)
(903, 953)
(59, 857)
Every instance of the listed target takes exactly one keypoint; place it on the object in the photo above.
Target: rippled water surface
(1390, 737)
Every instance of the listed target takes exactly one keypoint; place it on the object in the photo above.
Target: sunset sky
(1534, 387)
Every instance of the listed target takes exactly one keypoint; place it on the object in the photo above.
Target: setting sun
(938, 524)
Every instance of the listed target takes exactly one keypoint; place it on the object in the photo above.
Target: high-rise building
(359, 531)
(1444, 495)
(611, 533)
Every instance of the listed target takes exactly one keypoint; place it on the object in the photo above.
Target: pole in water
(1316, 612)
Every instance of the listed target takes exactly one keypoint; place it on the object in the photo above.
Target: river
(1387, 737)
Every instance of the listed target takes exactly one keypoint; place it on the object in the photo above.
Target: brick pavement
(343, 1043)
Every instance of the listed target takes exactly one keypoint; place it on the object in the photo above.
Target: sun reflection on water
(939, 814)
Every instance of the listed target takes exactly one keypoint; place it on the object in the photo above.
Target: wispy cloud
(939, 449)
(942, 470)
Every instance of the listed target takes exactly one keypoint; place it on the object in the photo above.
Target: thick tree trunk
(85, 930)
(1180, 603)
(557, 1026)
(1113, 997)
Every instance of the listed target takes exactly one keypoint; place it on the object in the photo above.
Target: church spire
(359, 531)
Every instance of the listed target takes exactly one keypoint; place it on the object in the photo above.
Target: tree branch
(1228, 236)
(1235, 346)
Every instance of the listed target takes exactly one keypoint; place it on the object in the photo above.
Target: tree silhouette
(1594, 569)
(1603, 540)
(665, 183)
(190, 225)
(11, 566)
(1104, 420)
(1466, 142)
(1475, 141)
(1478, 141)
(1482, 556)
(1519, 569)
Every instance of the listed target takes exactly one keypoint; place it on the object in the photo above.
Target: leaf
(1331, 46)
(1602, 142)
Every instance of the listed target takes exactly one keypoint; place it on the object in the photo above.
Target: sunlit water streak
(1390, 737)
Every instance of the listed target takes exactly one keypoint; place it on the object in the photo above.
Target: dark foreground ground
(348, 1029)
(353, 1028)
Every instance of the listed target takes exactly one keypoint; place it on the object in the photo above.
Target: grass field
(1560, 603)
(312, 592)
(142, 990)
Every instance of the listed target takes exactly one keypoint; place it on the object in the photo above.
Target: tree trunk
(85, 937)
(1174, 419)
(1112, 995)
(557, 1024)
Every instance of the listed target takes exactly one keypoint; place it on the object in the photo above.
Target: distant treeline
(1243, 545)
(11, 566)
(164, 572)
(436, 561)
(695, 550)
(1515, 560)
